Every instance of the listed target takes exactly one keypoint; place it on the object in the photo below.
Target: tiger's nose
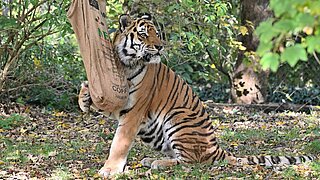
(158, 47)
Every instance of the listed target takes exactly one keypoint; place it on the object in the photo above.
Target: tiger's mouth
(151, 57)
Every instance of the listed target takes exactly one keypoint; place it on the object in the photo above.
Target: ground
(36, 143)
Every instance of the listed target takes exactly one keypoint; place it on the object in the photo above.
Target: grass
(68, 146)
(14, 120)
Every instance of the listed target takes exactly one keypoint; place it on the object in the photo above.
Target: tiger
(162, 110)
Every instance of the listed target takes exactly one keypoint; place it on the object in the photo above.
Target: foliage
(40, 62)
(23, 26)
(293, 35)
(38, 54)
(201, 38)
(46, 68)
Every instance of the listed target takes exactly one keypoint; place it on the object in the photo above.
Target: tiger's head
(137, 41)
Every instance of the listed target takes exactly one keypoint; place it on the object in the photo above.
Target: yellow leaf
(213, 66)
(60, 114)
(96, 176)
(243, 30)
(1, 130)
(280, 123)
(22, 130)
(222, 127)
(308, 30)
(242, 48)
(81, 150)
(234, 143)
(64, 125)
(102, 121)
(37, 62)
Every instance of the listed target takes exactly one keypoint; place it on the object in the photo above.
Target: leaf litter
(46, 144)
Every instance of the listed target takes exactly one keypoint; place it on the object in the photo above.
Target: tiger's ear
(124, 21)
(146, 16)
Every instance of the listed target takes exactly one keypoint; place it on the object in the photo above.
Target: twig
(316, 57)
(23, 86)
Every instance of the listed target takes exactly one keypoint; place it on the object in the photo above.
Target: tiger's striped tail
(273, 160)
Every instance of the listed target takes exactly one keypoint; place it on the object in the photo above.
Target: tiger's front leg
(121, 144)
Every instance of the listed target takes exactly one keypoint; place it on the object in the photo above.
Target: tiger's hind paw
(84, 98)
(153, 163)
(146, 162)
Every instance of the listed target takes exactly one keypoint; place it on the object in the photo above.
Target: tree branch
(316, 57)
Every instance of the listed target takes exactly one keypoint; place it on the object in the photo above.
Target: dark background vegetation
(41, 65)
(43, 135)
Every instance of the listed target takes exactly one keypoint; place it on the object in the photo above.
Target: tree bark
(249, 82)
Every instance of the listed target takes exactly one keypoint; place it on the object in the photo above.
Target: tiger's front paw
(84, 98)
(110, 169)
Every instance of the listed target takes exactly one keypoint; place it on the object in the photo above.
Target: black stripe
(291, 159)
(186, 126)
(262, 160)
(157, 143)
(125, 111)
(214, 155)
(181, 122)
(167, 101)
(250, 160)
(208, 125)
(275, 159)
(196, 105)
(203, 111)
(137, 73)
(134, 90)
(131, 39)
(154, 126)
(163, 75)
(125, 42)
(310, 158)
(172, 115)
(182, 149)
(302, 159)
(186, 97)
(197, 133)
(147, 139)
(159, 136)
(189, 118)
(218, 157)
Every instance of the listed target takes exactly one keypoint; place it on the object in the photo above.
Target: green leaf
(8, 23)
(264, 47)
(34, 2)
(281, 7)
(313, 44)
(266, 31)
(270, 60)
(293, 54)
(304, 19)
(284, 25)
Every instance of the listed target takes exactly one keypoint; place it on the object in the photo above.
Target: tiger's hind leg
(154, 163)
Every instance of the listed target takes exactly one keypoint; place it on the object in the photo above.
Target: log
(278, 107)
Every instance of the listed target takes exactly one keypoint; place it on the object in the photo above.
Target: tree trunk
(249, 84)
